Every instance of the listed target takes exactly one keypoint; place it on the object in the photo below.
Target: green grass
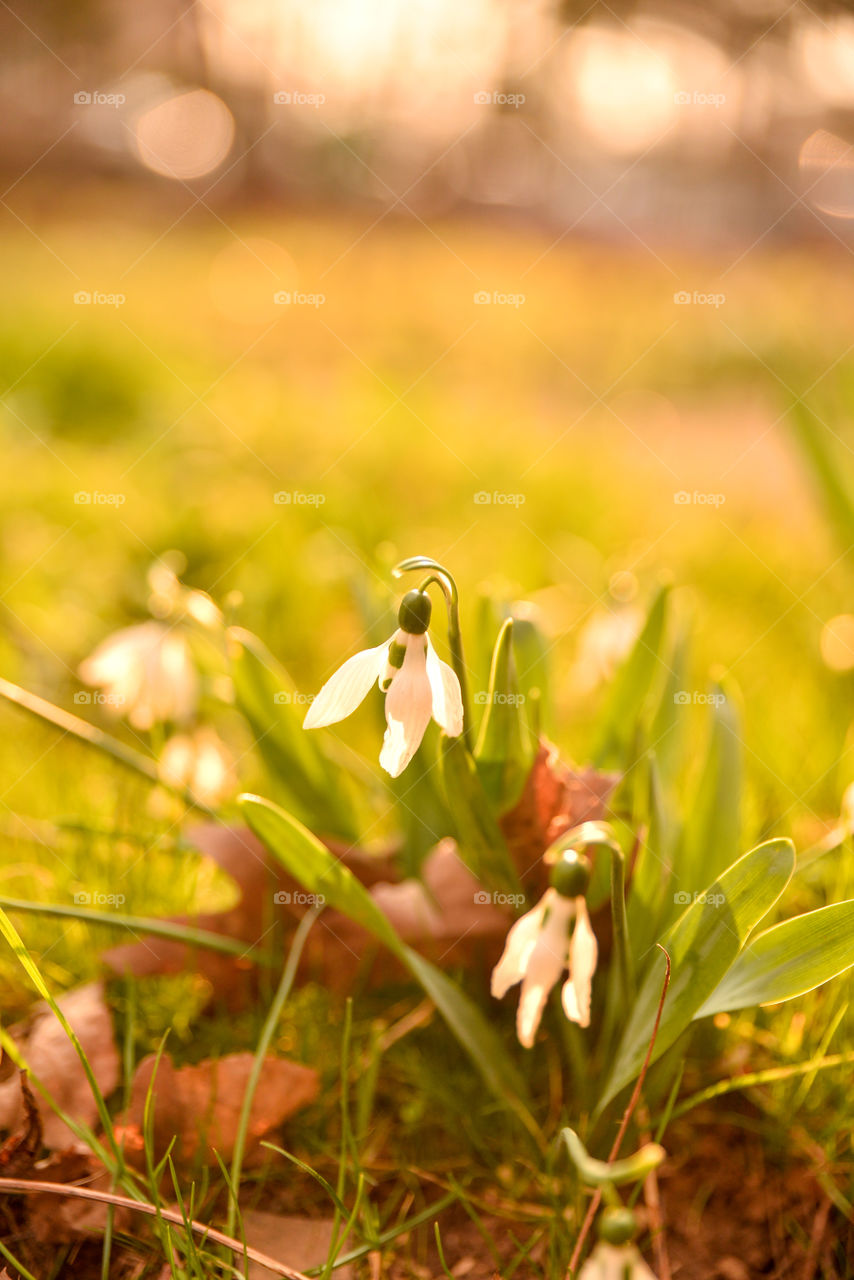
(397, 401)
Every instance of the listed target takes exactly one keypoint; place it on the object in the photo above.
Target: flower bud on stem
(443, 579)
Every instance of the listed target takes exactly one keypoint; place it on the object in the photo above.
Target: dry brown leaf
(53, 1061)
(52, 1220)
(200, 1105)
(258, 878)
(22, 1148)
(554, 799)
(449, 930)
(444, 915)
(301, 1243)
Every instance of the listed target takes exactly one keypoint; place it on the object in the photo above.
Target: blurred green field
(390, 407)
(384, 412)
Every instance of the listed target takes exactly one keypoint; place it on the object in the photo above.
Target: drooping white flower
(540, 946)
(417, 684)
(146, 673)
(615, 1262)
(199, 761)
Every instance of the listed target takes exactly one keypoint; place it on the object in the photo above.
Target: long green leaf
(788, 960)
(310, 862)
(823, 455)
(481, 843)
(505, 749)
(713, 821)
(267, 697)
(157, 928)
(652, 874)
(632, 685)
(91, 736)
(702, 944)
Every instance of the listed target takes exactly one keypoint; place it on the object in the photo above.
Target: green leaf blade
(702, 944)
(788, 960)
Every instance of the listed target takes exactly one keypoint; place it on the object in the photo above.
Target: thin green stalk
(769, 1076)
(9, 932)
(445, 580)
(270, 1023)
(10, 1257)
(87, 733)
(622, 952)
(142, 924)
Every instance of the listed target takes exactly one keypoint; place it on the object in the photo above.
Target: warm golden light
(837, 642)
(247, 276)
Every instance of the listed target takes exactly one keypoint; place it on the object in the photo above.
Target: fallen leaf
(200, 1105)
(54, 1220)
(252, 919)
(554, 799)
(448, 929)
(53, 1060)
(22, 1148)
(300, 1243)
(267, 904)
(444, 915)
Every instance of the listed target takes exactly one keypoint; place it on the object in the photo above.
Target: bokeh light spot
(827, 164)
(837, 642)
(186, 135)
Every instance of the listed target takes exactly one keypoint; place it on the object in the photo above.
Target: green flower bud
(413, 616)
(570, 875)
(617, 1226)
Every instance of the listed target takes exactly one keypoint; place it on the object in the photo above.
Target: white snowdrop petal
(408, 708)
(447, 696)
(344, 690)
(532, 1002)
(583, 954)
(520, 942)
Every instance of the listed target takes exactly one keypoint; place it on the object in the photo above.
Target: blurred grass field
(594, 403)
(391, 406)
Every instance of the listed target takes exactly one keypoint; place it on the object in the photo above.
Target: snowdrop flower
(147, 674)
(615, 1257)
(615, 1262)
(540, 947)
(201, 762)
(417, 685)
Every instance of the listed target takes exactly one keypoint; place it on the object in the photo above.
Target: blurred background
(560, 294)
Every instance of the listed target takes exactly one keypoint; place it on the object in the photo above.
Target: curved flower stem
(440, 575)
